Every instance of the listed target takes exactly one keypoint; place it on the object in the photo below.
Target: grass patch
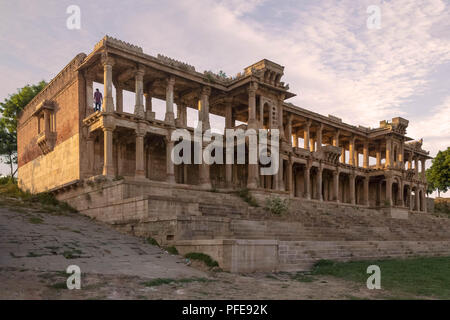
(210, 262)
(277, 206)
(44, 200)
(247, 197)
(72, 254)
(58, 286)
(35, 220)
(422, 276)
(161, 281)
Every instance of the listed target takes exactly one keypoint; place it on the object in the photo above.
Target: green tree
(438, 175)
(10, 109)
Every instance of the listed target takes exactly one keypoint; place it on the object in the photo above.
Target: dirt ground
(37, 247)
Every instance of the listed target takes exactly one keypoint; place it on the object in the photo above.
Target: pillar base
(170, 117)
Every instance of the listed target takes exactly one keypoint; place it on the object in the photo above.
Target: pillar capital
(107, 60)
(206, 91)
(170, 81)
(252, 88)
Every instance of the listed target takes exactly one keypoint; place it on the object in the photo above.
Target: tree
(438, 175)
(10, 109)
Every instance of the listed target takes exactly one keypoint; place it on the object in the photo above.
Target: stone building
(67, 148)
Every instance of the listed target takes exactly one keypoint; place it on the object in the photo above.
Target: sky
(333, 61)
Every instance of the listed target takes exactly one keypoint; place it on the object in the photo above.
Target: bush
(152, 241)
(172, 250)
(247, 197)
(277, 206)
(210, 262)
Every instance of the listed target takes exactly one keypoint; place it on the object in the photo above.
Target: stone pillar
(280, 177)
(46, 121)
(280, 117)
(378, 155)
(389, 191)
(416, 167)
(410, 161)
(424, 179)
(336, 185)
(203, 108)
(343, 153)
(424, 201)
(351, 160)
(170, 168)
(289, 129)
(90, 154)
(356, 158)
(312, 145)
(89, 94)
(289, 177)
(170, 117)
(306, 135)
(295, 139)
(400, 194)
(228, 125)
(352, 180)
(319, 137)
(388, 153)
(417, 199)
(108, 163)
(252, 105)
(336, 138)
(319, 183)
(119, 98)
(108, 64)
(366, 190)
(307, 181)
(181, 120)
(401, 155)
(139, 93)
(140, 167)
(204, 176)
(366, 154)
(149, 114)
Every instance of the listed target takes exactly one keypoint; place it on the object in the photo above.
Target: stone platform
(246, 239)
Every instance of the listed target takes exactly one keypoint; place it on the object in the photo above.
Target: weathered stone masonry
(65, 147)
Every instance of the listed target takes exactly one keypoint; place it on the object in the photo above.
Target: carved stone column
(378, 155)
(336, 185)
(319, 137)
(366, 154)
(424, 179)
(295, 139)
(170, 167)
(203, 106)
(280, 117)
(149, 114)
(289, 129)
(139, 94)
(140, 162)
(416, 167)
(228, 125)
(319, 183)
(417, 199)
(170, 116)
(181, 120)
(336, 138)
(352, 180)
(351, 153)
(343, 153)
(307, 180)
(108, 64)
(280, 177)
(306, 136)
(108, 163)
(389, 191)
(289, 177)
(366, 191)
(388, 152)
(252, 105)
